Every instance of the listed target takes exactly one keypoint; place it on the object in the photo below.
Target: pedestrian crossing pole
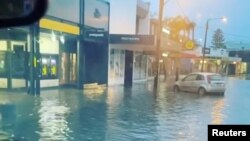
(158, 44)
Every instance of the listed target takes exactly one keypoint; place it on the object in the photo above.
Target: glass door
(68, 69)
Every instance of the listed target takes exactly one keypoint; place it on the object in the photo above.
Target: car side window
(191, 77)
(200, 77)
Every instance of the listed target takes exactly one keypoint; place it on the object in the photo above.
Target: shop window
(45, 68)
(117, 64)
(49, 67)
(18, 61)
(140, 66)
(112, 52)
(3, 70)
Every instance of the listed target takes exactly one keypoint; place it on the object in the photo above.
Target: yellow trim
(58, 26)
(35, 62)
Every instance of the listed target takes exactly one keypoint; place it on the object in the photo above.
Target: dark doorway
(231, 69)
(96, 60)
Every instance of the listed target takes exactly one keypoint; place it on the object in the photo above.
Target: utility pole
(204, 48)
(205, 41)
(158, 44)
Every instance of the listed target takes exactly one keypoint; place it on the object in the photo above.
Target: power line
(210, 30)
(225, 33)
(165, 2)
(178, 4)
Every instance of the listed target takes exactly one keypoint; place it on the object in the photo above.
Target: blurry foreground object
(21, 12)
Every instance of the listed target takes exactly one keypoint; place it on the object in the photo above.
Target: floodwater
(121, 114)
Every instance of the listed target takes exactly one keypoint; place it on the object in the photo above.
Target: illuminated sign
(189, 45)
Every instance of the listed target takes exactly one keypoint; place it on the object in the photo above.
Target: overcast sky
(237, 28)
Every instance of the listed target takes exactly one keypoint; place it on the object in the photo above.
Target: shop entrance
(68, 67)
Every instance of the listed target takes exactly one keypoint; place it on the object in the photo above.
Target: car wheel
(201, 91)
(176, 89)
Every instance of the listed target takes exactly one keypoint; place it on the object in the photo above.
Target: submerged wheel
(201, 91)
(176, 89)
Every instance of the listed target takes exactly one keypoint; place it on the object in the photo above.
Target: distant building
(244, 66)
(129, 40)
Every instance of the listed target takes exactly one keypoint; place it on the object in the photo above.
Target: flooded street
(121, 114)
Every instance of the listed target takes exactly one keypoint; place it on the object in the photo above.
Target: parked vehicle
(201, 83)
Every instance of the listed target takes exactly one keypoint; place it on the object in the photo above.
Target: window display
(140, 66)
(53, 67)
(3, 70)
(49, 67)
(117, 65)
(44, 67)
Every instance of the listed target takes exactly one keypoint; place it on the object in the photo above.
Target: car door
(198, 82)
(187, 84)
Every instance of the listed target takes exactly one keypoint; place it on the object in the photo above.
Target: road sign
(189, 45)
(207, 50)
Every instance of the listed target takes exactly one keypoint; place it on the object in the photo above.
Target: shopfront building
(65, 48)
(128, 60)
(13, 57)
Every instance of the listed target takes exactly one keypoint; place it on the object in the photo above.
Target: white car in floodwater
(201, 83)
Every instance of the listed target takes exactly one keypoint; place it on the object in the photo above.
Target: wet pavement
(124, 114)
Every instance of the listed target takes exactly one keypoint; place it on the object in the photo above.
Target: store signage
(189, 45)
(207, 50)
(97, 13)
(132, 39)
(96, 35)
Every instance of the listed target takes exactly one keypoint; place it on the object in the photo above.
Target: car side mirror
(21, 12)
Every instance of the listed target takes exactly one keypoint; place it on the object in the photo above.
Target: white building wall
(144, 25)
(3, 45)
(47, 45)
(123, 16)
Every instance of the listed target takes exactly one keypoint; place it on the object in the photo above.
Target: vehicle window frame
(191, 75)
(201, 77)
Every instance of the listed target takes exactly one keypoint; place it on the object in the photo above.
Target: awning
(132, 42)
(183, 55)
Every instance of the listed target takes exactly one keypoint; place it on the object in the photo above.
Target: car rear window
(215, 77)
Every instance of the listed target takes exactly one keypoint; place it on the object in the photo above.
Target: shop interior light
(165, 30)
(161, 61)
(53, 36)
(44, 61)
(202, 61)
(165, 54)
(62, 39)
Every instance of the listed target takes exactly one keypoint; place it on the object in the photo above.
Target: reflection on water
(52, 120)
(118, 113)
(7, 116)
(217, 116)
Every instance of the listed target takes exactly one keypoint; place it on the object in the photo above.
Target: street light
(224, 19)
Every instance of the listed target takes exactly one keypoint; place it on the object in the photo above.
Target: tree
(180, 28)
(218, 40)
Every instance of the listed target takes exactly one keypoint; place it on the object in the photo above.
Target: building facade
(68, 46)
(76, 43)
(129, 39)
